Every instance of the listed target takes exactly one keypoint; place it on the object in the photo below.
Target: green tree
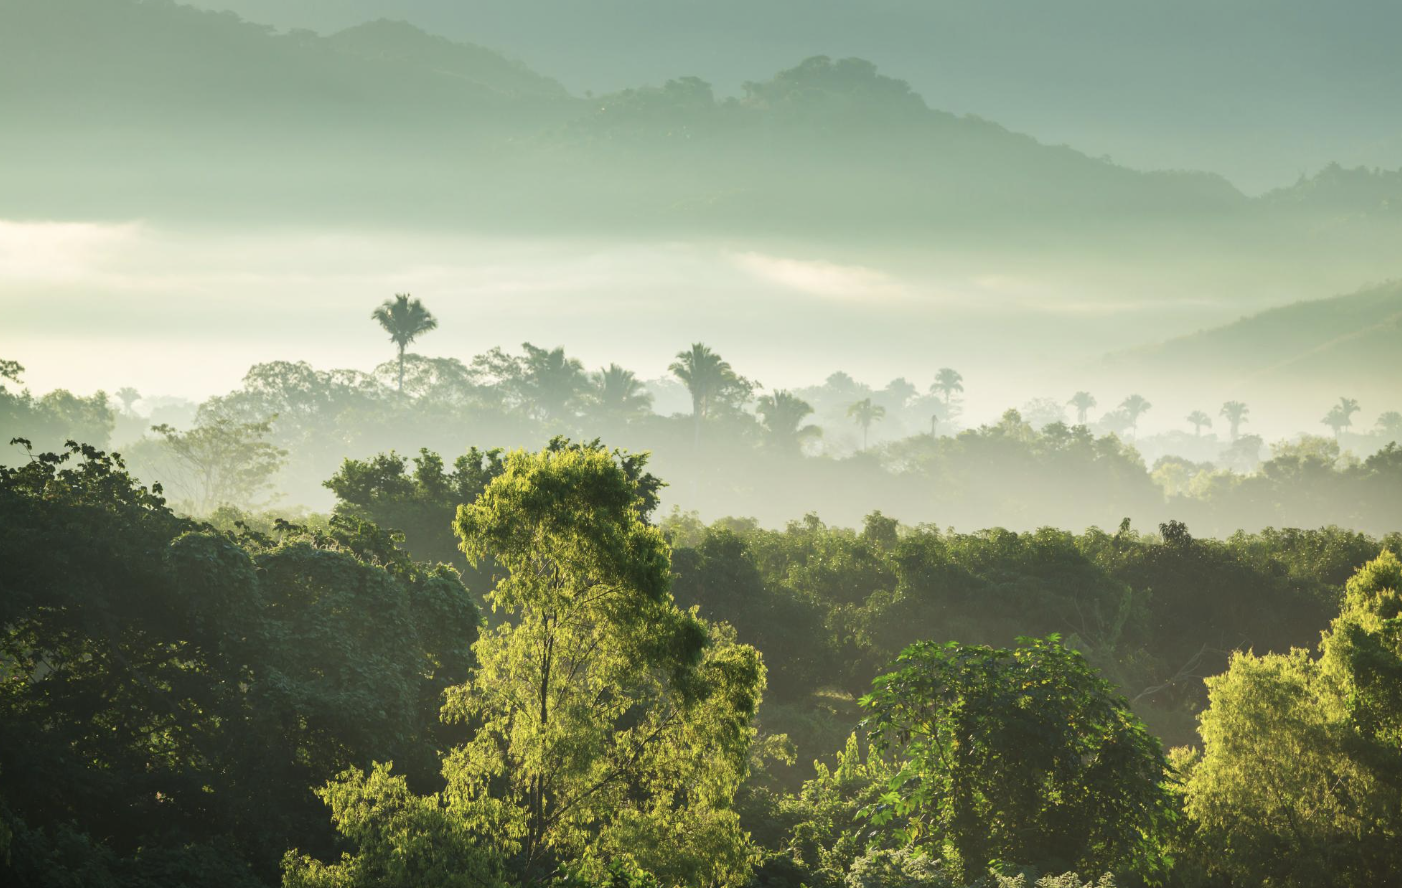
(1083, 402)
(1300, 779)
(864, 413)
(620, 394)
(1235, 413)
(171, 694)
(1134, 407)
(782, 415)
(611, 722)
(404, 319)
(1198, 420)
(1022, 756)
(401, 840)
(947, 382)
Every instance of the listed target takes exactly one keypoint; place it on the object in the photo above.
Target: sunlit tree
(1083, 402)
(1198, 420)
(1235, 413)
(404, 319)
(608, 721)
(1298, 780)
(864, 413)
(782, 415)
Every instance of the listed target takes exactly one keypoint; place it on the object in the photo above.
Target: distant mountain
(401, 44)
(1345, 345)
(154, 109)
(1258, 90)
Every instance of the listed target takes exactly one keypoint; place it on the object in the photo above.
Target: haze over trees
(675, 558)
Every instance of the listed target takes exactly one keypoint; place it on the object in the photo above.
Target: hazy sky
(103, 305)
(1259, 90)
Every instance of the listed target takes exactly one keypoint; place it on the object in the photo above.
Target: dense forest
(509, 664)
(594, 696)
(701, 444)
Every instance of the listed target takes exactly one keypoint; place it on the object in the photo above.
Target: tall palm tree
(864, 413)
(1235, 413)
(404, 319)
(1197, 419)
(947, 381)
(1082, 401)
(128, 396)
(706, 375)
(1340, 416)
(620, 393)
(1134, 407)
(782, 415)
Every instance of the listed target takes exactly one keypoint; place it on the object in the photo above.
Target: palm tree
(1197, 419)
(705, 374)
(1235, 413)
(864, 413)
(1340, 416)
(1082, 401)
(620, 393)
(947, 381)
(1135, 406)
(553, 380)
(1390, 426)
(128, 396)
(404, 319)
(782, 416)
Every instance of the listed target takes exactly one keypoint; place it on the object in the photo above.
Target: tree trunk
(401, 370)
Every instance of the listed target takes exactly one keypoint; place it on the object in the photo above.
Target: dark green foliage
(170, 687)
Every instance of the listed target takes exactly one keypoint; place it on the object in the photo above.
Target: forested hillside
(424, 130)
(1345, 342)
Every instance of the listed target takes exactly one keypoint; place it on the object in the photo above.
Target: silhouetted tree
(947, 381)
(864, 413)
(1082, 401)
(620, 393)
(709, 379)
(1235, 413)
(1340, 416)
(782, 415)
(553, 381)
(128, 396)
(404, 319)
(1197, 419)
(1389, 425)
(1134, 407)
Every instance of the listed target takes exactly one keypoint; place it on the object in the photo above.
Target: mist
(621, 444)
